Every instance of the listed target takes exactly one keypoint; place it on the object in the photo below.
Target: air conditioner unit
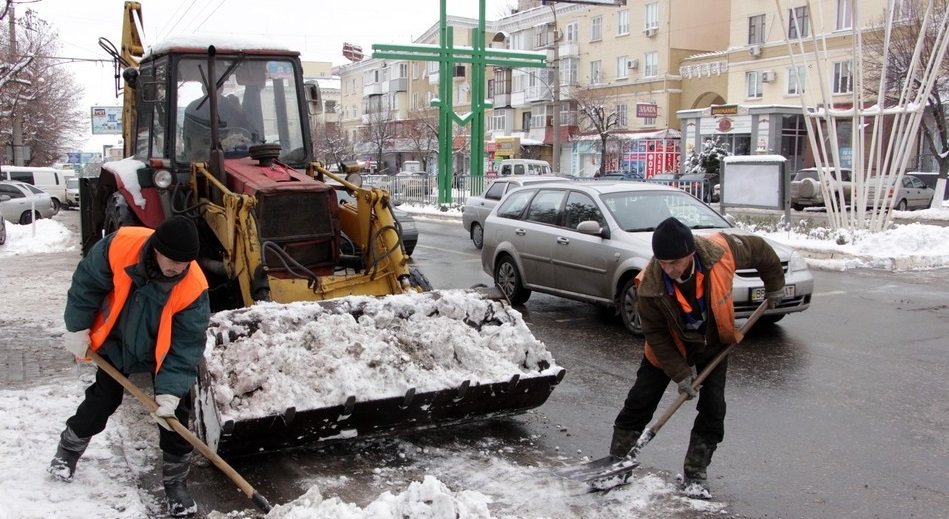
(754, 50)
(632, 64)
(767, 76)
(650, 32)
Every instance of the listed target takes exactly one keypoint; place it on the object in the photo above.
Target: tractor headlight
(162, 178)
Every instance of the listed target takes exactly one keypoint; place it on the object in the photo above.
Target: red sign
(647, 110)
(352, 52)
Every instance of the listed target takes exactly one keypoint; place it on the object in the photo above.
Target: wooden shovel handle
(206, 451)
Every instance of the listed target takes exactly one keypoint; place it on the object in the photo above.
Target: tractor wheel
(118, 214)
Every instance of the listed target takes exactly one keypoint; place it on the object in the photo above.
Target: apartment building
(672, 73)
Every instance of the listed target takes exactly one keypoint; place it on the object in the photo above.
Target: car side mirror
(593, 228)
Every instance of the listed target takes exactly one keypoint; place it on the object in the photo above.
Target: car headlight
(162, 178)
(797, 262)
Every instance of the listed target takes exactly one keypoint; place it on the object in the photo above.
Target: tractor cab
(260, 100)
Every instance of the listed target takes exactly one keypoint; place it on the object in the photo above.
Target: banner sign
(107, 120)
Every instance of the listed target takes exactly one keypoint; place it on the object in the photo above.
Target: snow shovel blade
(603, 468)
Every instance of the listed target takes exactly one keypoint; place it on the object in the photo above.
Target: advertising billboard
(107, 120)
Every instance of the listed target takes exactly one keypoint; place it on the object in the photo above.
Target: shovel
(611, 470)
(150, 406)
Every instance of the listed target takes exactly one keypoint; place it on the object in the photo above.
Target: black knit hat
(672, 240)
(177, 239)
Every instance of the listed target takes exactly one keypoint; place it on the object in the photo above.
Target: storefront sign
(724, 109)
(647, 110)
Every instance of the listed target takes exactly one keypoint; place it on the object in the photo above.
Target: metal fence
(423, 189)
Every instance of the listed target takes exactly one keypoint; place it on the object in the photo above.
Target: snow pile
(430, 499)
(269, 357)
(40, 237)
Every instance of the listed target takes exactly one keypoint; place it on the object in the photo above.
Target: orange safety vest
(720, 278)
(125, 251)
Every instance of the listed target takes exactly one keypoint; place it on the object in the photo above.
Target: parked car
(806, 188)
(72, 192)
(519, 167)
(50, 180)
(405, 220)
(22, 203)
(913, 193)
(3, 230)
(622, 175)
(588, 241)
(476, 208)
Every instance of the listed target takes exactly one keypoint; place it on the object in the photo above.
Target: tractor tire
(118, 214)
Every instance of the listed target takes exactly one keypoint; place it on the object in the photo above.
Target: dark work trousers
(651, 383)
(103, 398)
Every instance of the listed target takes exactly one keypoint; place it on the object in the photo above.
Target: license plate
(757, 294)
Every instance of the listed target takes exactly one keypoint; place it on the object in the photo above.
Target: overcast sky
(317, 28)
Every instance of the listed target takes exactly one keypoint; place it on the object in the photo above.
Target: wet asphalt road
(838, 411)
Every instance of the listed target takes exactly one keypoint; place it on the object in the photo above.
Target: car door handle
(563, 241)
(520, 232)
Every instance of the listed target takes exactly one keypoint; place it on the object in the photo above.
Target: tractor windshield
(257, 103)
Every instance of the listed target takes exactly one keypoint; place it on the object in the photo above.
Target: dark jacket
(658, 309)
(130, 345)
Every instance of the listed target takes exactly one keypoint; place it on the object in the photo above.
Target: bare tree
(422, 132)
(899, 56)
(333, 145)
(596, 116)
(379, 132)
(44, 98)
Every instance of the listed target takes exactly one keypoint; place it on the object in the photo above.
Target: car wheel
(628, 306)
(508, 279)
(902, 205)
(56, 205)
(28, 217)
(477, 235)
(3, 232)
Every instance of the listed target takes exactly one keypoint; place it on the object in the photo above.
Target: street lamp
(555, 142)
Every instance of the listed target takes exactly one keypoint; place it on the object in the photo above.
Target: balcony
(399, 85)
(502, 100)
(569, 50)
(537, 93)
(372, 89)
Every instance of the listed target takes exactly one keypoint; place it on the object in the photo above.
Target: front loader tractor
(218, 130)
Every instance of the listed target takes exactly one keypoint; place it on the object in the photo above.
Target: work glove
(685, 385)
(77, 343)
(166, 409)
(774, 297)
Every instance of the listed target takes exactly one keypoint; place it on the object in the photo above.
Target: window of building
(621, 115)
(538, 116)
(797, 78)
(540, 36)
(573, 32)
(798, 23)
(496, 121)
(651, 64)
(622, 25)
(902, 9)
(754, 87)
(596, 30)
(595, 72)
(622, 67)
(502, 81)
(414, 70)
(526, 121)
(652, 16)
(568, 71)
(756, 28)
(844, 14)
(843, 83)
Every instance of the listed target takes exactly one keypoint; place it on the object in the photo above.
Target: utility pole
(555, 121)
(17, 122)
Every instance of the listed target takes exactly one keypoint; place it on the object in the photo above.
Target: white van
(51, 180)
(520, 167)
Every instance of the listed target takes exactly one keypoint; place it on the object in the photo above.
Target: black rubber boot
(623, 441)
(175, 471)
(68, 452)
(697, 459)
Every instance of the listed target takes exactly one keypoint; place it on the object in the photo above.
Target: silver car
(587, 241)
(476, 208)
(22, 203)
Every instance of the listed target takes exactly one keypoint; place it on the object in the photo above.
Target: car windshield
(637, 211)
(257, 103)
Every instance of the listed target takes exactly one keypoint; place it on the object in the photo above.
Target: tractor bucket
(283, 375)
